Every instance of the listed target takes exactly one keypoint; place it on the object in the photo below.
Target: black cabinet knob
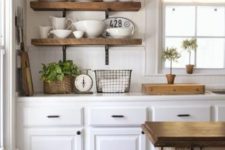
(78, 133)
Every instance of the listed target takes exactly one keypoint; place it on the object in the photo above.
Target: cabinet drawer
(181, 113)
(117, 116)
(53, 116)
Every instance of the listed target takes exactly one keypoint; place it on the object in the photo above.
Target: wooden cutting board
(173, 89)
(26, 74)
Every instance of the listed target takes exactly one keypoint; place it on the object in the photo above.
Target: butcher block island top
(185, 134)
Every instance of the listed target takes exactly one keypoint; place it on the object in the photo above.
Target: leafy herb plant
(56, 71)
(171, 55)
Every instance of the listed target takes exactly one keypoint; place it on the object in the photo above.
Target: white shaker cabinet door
(117, 139)
(53, 139)
(220, 113)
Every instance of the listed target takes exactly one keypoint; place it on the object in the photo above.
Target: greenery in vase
(189, 46)
(171, 55)
(57, 71)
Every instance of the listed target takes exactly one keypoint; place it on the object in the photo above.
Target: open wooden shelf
(85, 41)
(86, 6)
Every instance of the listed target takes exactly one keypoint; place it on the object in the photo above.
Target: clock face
(83, 83)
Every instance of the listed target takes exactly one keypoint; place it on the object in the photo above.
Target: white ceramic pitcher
(60, 22)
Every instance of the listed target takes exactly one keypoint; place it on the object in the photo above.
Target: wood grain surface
(85, 41)
(173, 89)
(185, 134)
(86, 6)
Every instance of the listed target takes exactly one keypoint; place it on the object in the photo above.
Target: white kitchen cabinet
(220, 113)
(182, 113)
(53, 116)
(53, 139)
(117, 139)
(117, 116)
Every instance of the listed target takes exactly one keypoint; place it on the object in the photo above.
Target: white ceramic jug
(60, 22)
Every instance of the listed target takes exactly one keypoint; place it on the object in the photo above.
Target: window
(206, 23)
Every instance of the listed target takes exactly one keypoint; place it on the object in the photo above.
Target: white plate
(119, 22)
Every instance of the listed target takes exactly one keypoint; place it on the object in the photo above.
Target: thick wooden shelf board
(86, 6)
(85, 41)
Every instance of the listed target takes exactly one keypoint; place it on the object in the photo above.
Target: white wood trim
(2, 9)
(2, 52)
(9, 84)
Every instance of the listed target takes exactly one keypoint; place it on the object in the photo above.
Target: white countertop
(121, 97)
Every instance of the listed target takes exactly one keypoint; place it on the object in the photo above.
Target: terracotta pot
(170, 78)
(189, 69)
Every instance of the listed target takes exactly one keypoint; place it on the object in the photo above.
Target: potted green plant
(58, 78)
(171, 55)
(189, 46)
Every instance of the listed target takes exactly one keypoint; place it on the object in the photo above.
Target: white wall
(120, 57)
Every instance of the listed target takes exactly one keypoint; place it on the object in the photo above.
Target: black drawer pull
(183, 115)
(53, 116)
(117, 116)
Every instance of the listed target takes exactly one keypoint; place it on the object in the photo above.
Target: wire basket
(113, 81)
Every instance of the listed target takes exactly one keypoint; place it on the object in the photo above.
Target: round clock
(83, 83)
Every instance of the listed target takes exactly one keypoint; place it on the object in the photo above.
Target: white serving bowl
(91, 28)
(120, 32)
(78, 34)
(61, 34)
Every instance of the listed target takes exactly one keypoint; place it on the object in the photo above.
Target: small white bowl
(120, 32)
(61, 34)
(78, 34)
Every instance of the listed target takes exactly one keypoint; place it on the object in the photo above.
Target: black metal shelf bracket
(106, 54)
(107, 14)
(64, 47)
(64, 53)
(64, 13)
(107, 46)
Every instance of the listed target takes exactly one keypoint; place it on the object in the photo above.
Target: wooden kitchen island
(185, 134)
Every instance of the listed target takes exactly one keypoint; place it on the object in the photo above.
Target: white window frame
(2, 39)
(198, 71)
(2, 52)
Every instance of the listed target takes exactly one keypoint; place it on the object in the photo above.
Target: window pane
(210, 21)
(210, 53)
(184, 60)
(180, 20)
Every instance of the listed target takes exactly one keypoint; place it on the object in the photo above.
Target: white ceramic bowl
(78, 34)
(62, 34)
(91, 28)
(120, 32)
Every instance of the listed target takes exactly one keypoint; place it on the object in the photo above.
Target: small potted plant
(171, 55)
(189, 46)
(58, 78)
